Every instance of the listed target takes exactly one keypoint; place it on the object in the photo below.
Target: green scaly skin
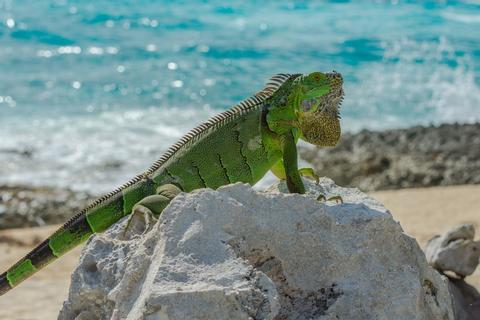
(240, 144)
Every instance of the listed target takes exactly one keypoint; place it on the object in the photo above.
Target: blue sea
(92, 92)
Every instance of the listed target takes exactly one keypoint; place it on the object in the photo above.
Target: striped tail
(95, 218)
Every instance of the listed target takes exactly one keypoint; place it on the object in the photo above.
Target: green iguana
(240, 144)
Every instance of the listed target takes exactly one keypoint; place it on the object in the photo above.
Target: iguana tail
(68, 236)
(95, 218)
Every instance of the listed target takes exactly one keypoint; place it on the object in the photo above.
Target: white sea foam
(462, 17)
(417, 89)
(93, 152)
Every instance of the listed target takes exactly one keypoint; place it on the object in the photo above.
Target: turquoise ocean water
(91, 92)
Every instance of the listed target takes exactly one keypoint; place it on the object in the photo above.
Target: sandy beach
(421, 212)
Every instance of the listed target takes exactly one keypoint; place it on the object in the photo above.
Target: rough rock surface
(415, 157)
(466, 300)
(457, 252)
(236, 253)
(454, 251)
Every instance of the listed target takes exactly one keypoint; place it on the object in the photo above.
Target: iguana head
(319, 96)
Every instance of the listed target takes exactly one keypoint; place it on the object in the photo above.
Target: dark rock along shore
(416, 157)
(30, 206)
(448, 154)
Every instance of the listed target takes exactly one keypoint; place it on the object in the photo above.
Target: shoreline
(25, 206)
(416, 157)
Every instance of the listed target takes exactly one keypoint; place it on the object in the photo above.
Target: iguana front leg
(290, 164)
(287, 168)
(278, 169)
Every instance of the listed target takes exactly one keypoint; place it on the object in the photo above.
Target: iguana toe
(309, 172)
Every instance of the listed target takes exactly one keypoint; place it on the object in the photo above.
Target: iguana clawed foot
(337, 199)
(278, 169)
(150, 208)
(309, 172)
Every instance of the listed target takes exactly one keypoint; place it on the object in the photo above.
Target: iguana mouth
(338, 103)
(331, 102)
(335, 97)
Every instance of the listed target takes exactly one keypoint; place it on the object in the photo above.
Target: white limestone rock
(454, 251)
(236, 253)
